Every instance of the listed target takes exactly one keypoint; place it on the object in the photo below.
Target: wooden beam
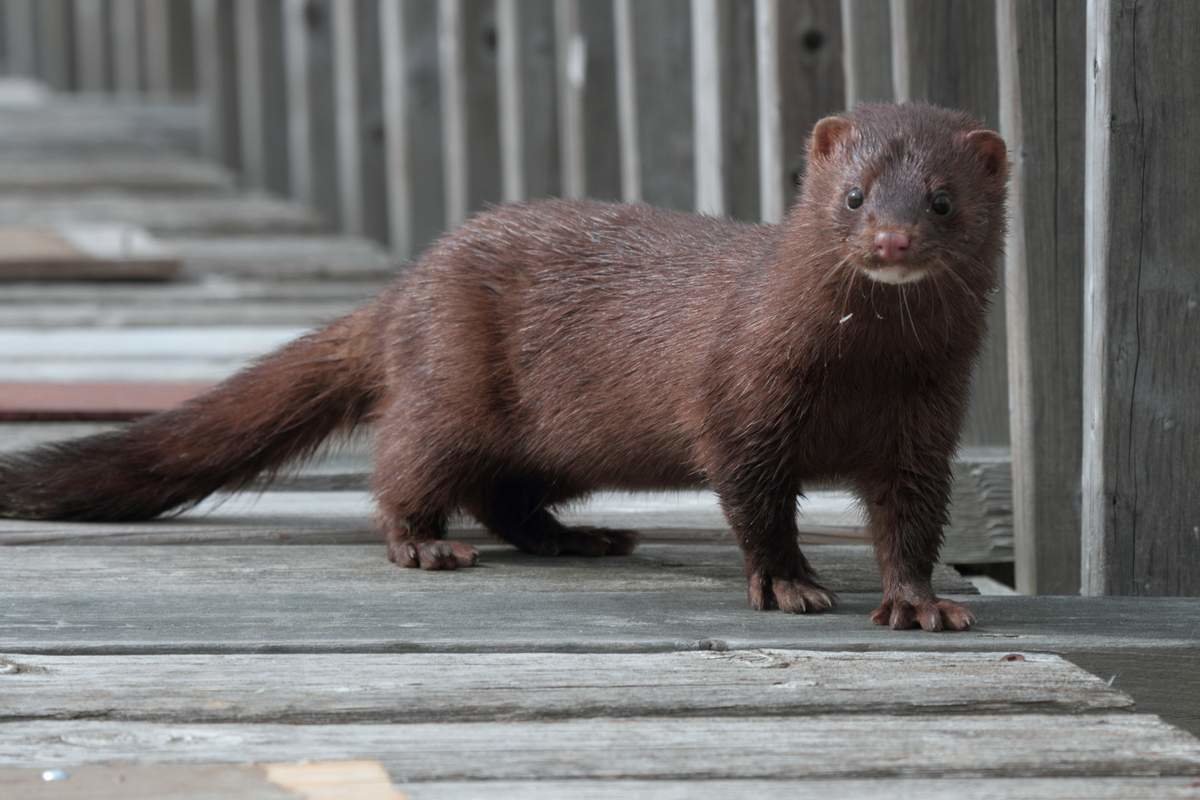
(867, 51)
(1041, 71)
(944, 52)
(708, 121)
(627, 102)
(1141, 446)
(571, 57)
(347, 117)
(92, 64)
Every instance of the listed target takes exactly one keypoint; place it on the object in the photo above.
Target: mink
(550, 349)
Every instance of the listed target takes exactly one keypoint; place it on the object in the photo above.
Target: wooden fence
(398, 119)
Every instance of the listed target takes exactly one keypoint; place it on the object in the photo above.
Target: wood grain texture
(1042, 92)
(1028, 745)
(1141, 517)
(418, 687)
(698, 567)
(180, 215)
(152, 173)
(877, 789)
(949, 55)
(867, 51)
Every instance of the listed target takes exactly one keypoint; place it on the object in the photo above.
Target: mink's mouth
(895, 274)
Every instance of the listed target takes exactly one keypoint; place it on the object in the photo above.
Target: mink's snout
(891, 247)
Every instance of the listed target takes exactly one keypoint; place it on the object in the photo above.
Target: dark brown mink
(546, 350)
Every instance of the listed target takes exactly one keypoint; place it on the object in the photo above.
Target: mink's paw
(435, 554)
(796, 595)
(931, 614)
(592, 542)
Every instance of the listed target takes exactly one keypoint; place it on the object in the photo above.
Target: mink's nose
(891, 246)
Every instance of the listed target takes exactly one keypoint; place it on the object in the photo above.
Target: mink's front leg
(906, 513)
(763, 517)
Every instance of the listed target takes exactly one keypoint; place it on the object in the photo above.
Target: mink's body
(546, 350)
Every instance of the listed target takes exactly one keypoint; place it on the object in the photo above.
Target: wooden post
(627, 102)
(92, 66)
(662, 42)
(156, 45)
(54, 24)
(452, 68)
(772, 200)
(512, 100)
(216, 81)
(1041, 70)
(20, 25)
(708, 121)
(126, 47)
(867, 51)
(571, 53)
(396, 121)
(308, 55)
(346, 114)
(945, 52)
(252, 142)
(1141, 377)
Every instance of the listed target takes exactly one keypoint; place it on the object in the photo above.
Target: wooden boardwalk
(163, 657)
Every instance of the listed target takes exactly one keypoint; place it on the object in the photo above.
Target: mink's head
(911, 190)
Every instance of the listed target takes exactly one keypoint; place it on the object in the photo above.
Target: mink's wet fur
(546, 350)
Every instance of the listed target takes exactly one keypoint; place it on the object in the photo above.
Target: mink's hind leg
(414, 496)
(516, 511)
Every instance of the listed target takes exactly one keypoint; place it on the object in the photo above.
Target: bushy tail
(273, 412)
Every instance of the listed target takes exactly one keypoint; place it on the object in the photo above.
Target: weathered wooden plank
(698, 568)
(627, 102)
(178, 215)
(79, 127)
(396, 121)
(1029, 745)
(20, 39)
(113, 301)
(92, 63)
(419, 687)
(125, 30)
(156, 46)
(948, 52)
(352, 780)
(772, 197)
(452, 69)
(286, 258)
(867, 51)
(427, 143)
(84, 252)
(1041, 51)
(708, 118)
(312, 120)
(602, 145)
(372, 160)
(346, 109)
(812, 84)
(1141, 514)
(663, 57)
(54, 34)
(571, 69)
(263, 94)
(216, 77)
(121, 172)
(878, 789)
(104, 401)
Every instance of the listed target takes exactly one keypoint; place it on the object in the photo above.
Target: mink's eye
(941, 204)
(854, 198)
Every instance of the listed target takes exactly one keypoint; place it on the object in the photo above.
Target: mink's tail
(267, 415)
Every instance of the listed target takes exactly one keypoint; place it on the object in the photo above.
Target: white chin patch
(896, 275)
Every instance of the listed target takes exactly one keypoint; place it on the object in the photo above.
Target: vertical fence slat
(1141, 510)
(707, 117)
(300, 155)
(308, 54)
(216, 82)
(901, 68)
(452, 69)
(346, 112)
(92, 68)
(20, 24)
(251, 95)
(396, 120)
(867, 51)
(156, 38)
(54, 36)
(512, 100)
(662, 42)
(571, 53)
(627, 105)
(770, 121)
(950, 53)
(126, 47)
(1041, 60)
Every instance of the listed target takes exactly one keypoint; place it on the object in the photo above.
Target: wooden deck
(163, 658)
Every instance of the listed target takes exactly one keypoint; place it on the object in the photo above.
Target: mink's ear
(991, 150)
(826, 135)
